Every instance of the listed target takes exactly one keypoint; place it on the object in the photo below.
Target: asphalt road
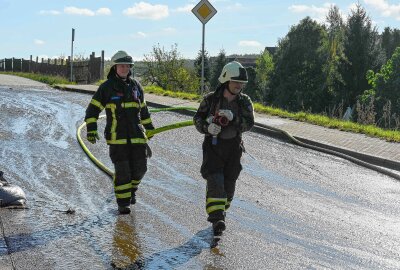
(294, 208)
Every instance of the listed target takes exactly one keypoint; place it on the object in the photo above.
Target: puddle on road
(164, 231)
(44, 158)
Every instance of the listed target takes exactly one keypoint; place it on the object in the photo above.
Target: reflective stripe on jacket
(127, 114)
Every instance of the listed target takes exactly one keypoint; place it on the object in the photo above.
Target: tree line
(321, 68)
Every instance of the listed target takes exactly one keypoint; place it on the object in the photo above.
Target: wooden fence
(83, 72)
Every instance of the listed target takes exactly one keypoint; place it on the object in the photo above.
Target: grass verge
(320, 120)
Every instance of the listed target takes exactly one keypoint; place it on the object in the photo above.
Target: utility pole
(72, 52)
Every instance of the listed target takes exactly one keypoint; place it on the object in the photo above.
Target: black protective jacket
(127, 114)
(243, 119)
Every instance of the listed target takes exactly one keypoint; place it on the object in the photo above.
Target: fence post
(102, 66)
(12, 64)
(30, 61)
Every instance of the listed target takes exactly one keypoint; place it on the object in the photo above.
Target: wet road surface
(294, 208)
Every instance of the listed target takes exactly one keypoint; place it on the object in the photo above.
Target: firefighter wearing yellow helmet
(128, 117)
(222, 117)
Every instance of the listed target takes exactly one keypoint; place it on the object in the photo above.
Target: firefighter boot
(218, 227)
(133, 198)
(124, 210)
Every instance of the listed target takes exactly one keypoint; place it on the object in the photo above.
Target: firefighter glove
(92, 136)
(214, 129)
(210, 119)
(226, 113)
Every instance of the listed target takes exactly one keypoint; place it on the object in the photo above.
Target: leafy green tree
(386, 84)
(298, 80)
(264, 69)
(251, 88)
(166, 69)
(363, 52)
(216, 67)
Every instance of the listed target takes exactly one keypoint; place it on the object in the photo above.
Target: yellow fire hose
(190, 122)
(149, 133)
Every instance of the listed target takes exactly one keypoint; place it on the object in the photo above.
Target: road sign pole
(72, 52)
(202, 60)
(204, 11)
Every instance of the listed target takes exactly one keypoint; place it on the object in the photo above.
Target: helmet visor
(242, 77)
(124, 60)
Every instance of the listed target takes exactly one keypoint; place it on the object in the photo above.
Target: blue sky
(43, 27)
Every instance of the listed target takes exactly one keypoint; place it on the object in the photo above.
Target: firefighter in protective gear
(223, 116)
(128, 118)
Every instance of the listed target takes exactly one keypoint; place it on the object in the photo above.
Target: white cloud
(86, 12)
(386, 9)
(49, 12)
(103, 11)
(139, 35)
(316, 13)
(143, 10)
(38, 42)
(185, 9)
(249, 43)
(79, 11)
(235, 7)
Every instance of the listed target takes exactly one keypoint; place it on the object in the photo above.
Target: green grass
(47, 79)
(316, 119)
(325, 121)
(321, 120)
(161, 92)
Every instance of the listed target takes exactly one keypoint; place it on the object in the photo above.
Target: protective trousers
(221, 168)
(130, 163)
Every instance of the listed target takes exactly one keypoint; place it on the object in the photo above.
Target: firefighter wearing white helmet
(233, 71)
(127, 119)
(222, 117)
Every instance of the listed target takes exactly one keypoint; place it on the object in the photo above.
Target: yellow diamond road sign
(204, 11)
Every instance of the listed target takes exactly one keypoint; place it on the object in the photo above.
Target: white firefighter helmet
(121, 57)
(233, 71)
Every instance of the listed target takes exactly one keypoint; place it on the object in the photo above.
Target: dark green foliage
(197, 65)
(198, 68)
(251, 87)
(386, 87)
(363, 52)
(336, 57)
(264, 70)
(299, 81)
(390, 41)
(216, 68)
